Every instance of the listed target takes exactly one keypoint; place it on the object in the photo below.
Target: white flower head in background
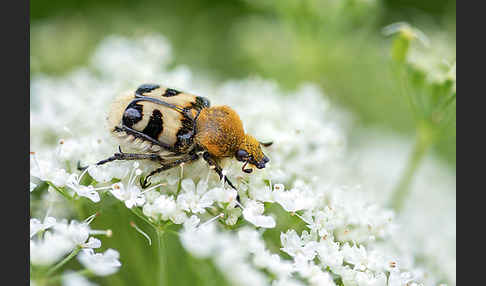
(82, 191)
(32, 186)
(48, 170)
(71, 278)
(292, 200)
(51, 239)
(194, 198)
(50, 249)
(406, 30)
(101, 264)
(253, 212)
(36, 225)
(130, 193)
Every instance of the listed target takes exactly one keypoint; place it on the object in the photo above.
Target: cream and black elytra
(172, 127)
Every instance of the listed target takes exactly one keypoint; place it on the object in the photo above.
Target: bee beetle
(172, 127)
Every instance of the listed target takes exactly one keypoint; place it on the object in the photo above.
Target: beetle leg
(130, 156)
(189, 158)
(79, 167)
(144, 182)
(213, 163)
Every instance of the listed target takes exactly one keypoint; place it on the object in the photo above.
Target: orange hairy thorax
(219, 131)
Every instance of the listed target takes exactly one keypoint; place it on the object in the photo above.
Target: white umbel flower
(101, 264)
(32, 186)
(165, 208)
(71, 278)
(51, 239)
(131, 195)
(47, 170)
(334, 192)
(76, 232)
(36, 225)
(293, 200)
(74, 183)
(253, 212)
(194, 198)
(295, 246)
(50, 249)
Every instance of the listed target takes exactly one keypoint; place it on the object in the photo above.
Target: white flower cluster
(437, 63)
(434, 56)
(427, 225)
(349, 237)
(51, 240)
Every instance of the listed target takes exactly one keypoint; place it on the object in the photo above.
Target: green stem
(162, 250)
(64, 261)
(172, 232)
(402, 190)
(87, 273)
(138, 213)
(60, 190)
(79, 208)
(404, 89)
(162, 256)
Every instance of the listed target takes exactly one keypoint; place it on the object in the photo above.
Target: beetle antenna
(266, 144)
(246, 170)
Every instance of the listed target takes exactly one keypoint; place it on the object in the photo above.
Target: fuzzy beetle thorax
(219, 131)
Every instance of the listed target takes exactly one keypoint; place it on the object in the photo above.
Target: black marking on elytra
(185, 134)
(146, 87)
(158, 101)
(133, 114)
(170, 92)
(138, 134)
(155, 125)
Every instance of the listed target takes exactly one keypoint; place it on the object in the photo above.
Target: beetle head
(251, 153)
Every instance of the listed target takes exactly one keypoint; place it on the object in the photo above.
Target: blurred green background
(336, 44)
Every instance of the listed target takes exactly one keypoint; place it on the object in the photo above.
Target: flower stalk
(423, 142)
(162, 253)
(64, 261)
(430, 102)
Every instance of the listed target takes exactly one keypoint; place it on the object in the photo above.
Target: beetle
(173, 127)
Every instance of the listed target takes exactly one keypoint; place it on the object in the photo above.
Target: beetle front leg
(167, 166)
(213, 163)
(130, 156)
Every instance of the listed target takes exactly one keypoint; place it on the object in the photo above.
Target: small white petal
(100, 263)
(92, 243)
(70, 278)
(253, 213)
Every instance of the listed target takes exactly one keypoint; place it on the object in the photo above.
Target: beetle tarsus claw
(79, 167)
(145, 182)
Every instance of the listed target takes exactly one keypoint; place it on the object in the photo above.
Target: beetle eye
(241, 155)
